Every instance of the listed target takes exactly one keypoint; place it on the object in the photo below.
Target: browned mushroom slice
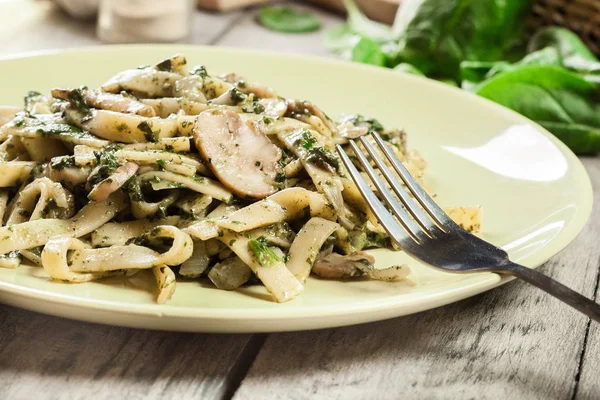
(303, 110)
(108, 101)
(242, 158)
(103, 189)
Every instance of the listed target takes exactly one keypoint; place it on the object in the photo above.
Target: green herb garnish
(148, 133)
(260, 249)
(60, 163)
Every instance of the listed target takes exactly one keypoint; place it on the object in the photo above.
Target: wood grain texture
(512, 342)
(43, 357)
(588, 386)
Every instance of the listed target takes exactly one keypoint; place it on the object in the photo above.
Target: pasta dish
(192, 176)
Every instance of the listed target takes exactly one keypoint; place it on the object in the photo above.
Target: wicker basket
(580, 16)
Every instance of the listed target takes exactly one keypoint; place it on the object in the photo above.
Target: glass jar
(145, 21)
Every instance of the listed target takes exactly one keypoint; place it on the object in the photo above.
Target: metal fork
(428, 234)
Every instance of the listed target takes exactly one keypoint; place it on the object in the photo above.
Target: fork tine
(388, 222)
(435, 211)
(405, 219)
(409, 203)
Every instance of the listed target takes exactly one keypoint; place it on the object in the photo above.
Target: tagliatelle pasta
(180, 173)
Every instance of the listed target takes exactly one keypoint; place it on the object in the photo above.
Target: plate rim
(386, 305)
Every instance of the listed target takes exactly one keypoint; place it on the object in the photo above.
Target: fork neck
(555, 288)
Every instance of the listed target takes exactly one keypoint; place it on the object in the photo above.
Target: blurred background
(537, 57)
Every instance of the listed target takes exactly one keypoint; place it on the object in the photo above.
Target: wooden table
(511, 342)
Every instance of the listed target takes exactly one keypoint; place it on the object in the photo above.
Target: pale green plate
(536, 195)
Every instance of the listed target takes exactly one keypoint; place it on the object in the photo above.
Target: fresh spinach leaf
(363, 26)
(574, 53)
(436, 35)
(286, 19)
(559, 100)
(368, 51)
(473, 73)
(341, 38)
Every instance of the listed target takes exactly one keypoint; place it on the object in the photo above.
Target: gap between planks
(254, 345)
(243, 32)
(586, 338)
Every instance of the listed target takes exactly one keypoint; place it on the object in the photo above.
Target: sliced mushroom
(108, 101)
(304, 110)
(242, 158)
(124, 128)
(337, 266)
(274, 106)
(230, 273)
(108, 186)
(147, 82)
(350, 131)
(190, 88)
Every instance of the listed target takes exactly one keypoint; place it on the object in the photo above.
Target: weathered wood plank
(43, 357)
(512, 342)
(41, 25)
(247, 32)
(588, 386)
(48, 357)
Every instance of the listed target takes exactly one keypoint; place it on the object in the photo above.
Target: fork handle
(555, 288)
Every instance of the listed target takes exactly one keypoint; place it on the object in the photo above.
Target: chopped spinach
(165, 65)
(161, 164)
(60, 163)
(106, 164)
(148, 133)
(77, 99)
(260, 249)
(371, 124)
(30, 98)
(324, 159)
(199, 71)
(307, 140)
(253, 107)
(236, 95)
